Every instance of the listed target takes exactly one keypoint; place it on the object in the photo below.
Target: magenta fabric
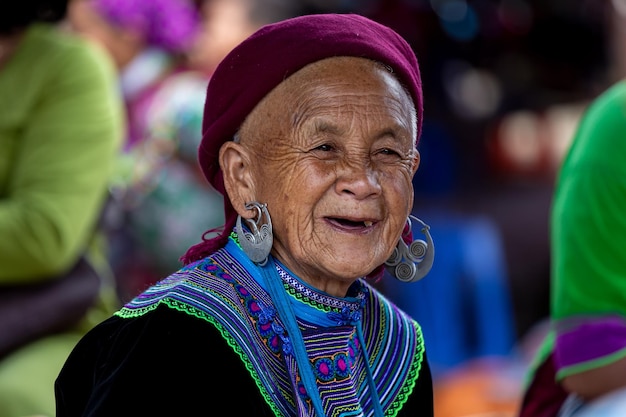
(591, 339)
(273, 53)
(168, 24)
(544, 396)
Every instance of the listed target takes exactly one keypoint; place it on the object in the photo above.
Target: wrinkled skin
(331, 150)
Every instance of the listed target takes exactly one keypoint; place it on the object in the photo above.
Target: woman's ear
(416, 161)
(235, 164)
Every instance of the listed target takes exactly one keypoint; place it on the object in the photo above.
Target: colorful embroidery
(221, 291)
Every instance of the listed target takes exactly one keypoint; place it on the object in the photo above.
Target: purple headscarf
(261, 62)
(168, 24)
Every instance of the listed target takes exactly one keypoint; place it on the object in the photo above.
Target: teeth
(367, 223)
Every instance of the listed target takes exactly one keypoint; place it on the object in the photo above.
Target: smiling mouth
(351, 224)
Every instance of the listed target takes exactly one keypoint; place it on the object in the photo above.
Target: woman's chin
(352, 270)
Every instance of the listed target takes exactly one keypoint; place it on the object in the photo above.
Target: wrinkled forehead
(264, 60)
(350, 69)
(336, 86)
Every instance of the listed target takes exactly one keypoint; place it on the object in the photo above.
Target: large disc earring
(256, 244)
(411, 263)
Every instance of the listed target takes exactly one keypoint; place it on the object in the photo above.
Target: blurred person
(149, 41)
(61, 124)
(310, 131)
(164, 220)
(584, 354)
(163, 196)
(225, 23)
(166, 198)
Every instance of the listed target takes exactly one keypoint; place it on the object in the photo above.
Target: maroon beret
(262, 61)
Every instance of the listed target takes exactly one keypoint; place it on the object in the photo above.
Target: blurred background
(505, 82)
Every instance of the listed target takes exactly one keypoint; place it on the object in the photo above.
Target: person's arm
(61, 166)
(593, 383)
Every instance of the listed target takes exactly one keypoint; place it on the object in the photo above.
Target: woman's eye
(387, 151)
(324, 148)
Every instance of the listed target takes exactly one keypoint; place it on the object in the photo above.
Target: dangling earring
(258, 244)
(411, 263)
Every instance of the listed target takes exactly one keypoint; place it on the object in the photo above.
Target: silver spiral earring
(411, 263)
(256, 244)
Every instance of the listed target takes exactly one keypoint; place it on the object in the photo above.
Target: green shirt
(588, 238)
(589, 214)
(61, 124)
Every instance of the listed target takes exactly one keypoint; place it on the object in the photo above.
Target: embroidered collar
(318, 307)
(227, 290)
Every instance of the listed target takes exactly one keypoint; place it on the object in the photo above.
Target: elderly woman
(310, 130)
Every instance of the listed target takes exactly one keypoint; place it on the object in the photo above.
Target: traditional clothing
(220, 308)
(226, 333)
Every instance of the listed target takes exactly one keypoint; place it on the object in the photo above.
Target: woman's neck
(8, 46)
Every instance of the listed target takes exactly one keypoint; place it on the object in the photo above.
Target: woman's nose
(358, 179)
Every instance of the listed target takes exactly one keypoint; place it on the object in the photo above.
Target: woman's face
(123, 44)
(332, 154)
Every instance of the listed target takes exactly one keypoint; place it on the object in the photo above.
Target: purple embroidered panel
(586, 339)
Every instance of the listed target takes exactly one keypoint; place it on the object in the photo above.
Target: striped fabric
(227, 290)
